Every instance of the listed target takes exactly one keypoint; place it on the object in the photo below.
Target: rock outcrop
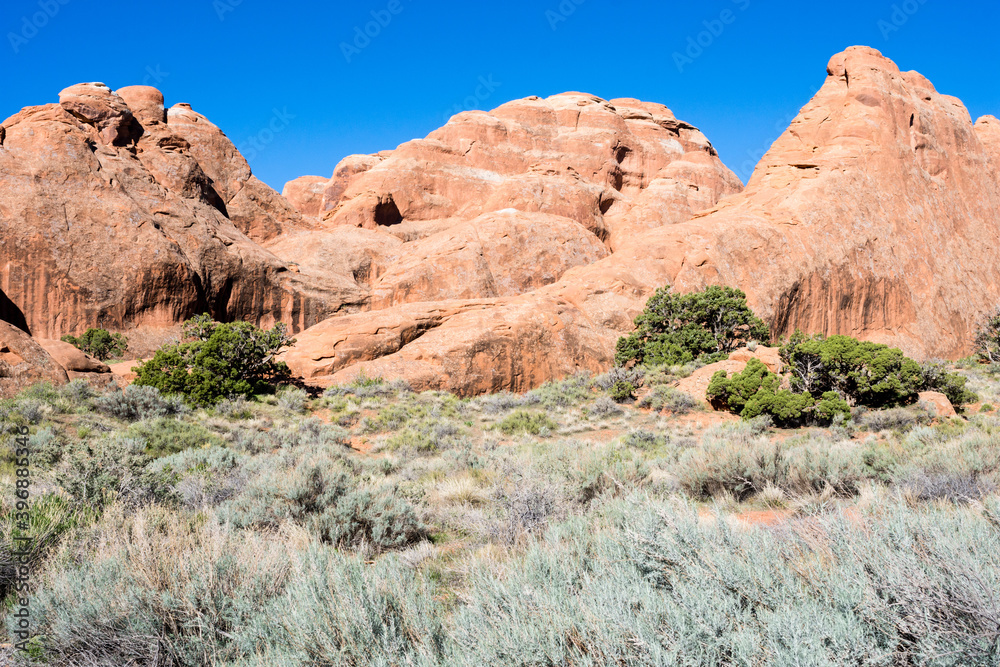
(117, 213)
(305, 193)
(874, 215)
(72, 358)
(451, 229)
(24, 362)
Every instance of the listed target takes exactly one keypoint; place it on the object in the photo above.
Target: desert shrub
(169, 436)
(46, 520)
(680, 328)
(161, 590)
(338, 610)
(936, 377)
(525, 421)
(218, 361)
(206, 476)
(562, 393)
(756, 391)
(316, 489)
(604, 407)
(667, 399)
(100, 343)
(138, 402)
(237, 407)
(956, 487)
(620, 382)
(701, 593)
(495, 404)
(425, 436)
(831, 408)
(861, 372)
(32, 410)
(293, 399)
(617, 375)
(816, 465)
(988, 337)
(78, 392)
(893, 419)
(364, 386)
(47, 447)
(525, 502)
(646, 440)
(723, 466)
(301, 434)
(97, 472)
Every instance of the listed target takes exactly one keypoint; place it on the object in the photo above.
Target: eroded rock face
(72, 358)
(305, 193)
(572, 155)
(24, 362)
(874, 215)
(117, 217)
(451, 229)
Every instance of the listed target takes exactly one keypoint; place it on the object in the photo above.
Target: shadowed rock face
(117, 213)
(874, 215)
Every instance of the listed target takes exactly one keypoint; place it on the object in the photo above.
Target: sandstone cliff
(117, 212)
(875, 214)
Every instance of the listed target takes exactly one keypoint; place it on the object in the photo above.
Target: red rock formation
(115, 217)
(24, 362)
(305, 193)
(874, 215)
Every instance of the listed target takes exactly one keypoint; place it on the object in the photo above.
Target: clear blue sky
(238, 61)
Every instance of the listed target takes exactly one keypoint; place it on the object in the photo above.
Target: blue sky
(251, 65)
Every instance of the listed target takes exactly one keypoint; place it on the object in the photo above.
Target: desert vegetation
(99, 343)
(373, 525)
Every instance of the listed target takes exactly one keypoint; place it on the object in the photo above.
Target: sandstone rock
(24, 362)
(874, 215)
(305, 193)
(573, 155)
(769, 356)
(936, 403)
(468, 347)
(339, 251)
(696, 384)
(72, 358)
(145, 103)
(105, 225)
(123, 373)
(96, 105)
(498, 254)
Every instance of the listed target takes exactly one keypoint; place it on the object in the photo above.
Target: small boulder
(97, 105)
(936, 403)
(305, 193)
(145, 102)
(24, 362)
(71, 358)
(696, 384)
(769, 356)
